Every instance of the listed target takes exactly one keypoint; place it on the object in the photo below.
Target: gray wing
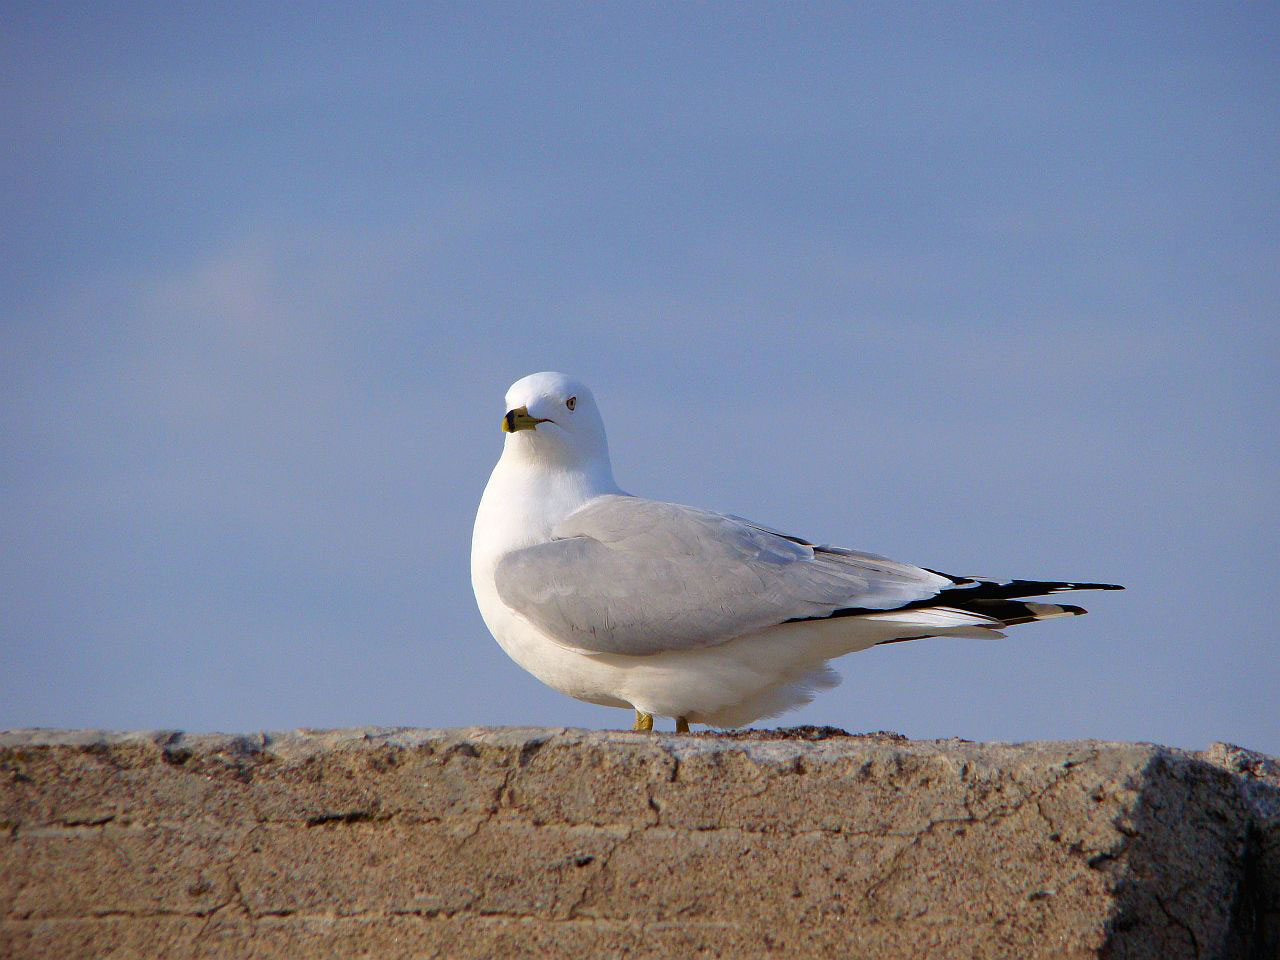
(632, 576)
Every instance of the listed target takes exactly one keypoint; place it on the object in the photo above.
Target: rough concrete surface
(570, 843)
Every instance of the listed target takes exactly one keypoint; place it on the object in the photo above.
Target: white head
(554, 418)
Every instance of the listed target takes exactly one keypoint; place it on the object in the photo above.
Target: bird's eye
(571, 402)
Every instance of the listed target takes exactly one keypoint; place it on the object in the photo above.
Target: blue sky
(991, 288)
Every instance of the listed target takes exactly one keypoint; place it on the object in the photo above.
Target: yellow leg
(644, 721)
(682, 725)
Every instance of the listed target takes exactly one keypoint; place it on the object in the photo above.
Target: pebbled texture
(572, 843)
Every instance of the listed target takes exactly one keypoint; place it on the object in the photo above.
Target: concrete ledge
(571, 843)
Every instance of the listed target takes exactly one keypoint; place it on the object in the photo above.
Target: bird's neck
(527, 496)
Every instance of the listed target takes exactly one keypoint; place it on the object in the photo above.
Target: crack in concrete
(235, 895)
(994, 815)
(1179, 923)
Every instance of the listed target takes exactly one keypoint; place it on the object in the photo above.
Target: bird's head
(553, 417)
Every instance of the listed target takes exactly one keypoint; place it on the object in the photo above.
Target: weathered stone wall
(563, 843)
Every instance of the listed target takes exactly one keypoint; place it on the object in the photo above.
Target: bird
(675, 611)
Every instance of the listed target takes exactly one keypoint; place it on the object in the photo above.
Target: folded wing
(632, 576)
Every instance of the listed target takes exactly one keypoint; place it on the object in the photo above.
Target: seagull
(674, 611)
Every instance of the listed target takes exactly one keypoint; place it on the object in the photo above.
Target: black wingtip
(1070, 586)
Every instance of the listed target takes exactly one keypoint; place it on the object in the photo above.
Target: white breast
(522, 502)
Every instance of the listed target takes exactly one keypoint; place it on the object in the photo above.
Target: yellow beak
(519, 419)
